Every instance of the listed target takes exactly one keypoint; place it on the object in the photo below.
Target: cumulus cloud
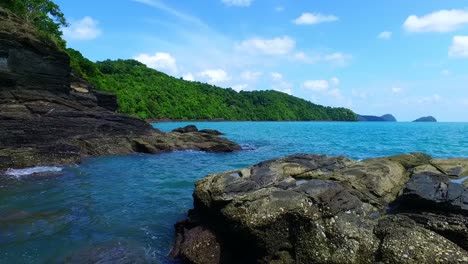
(316, 18)
(338, 58)
(215, 76)
(316, 85)
(242, 3)
(324, 87)
(439, 21)
(276, 76)
(83, 29)
(188, 77)
(250, 76)
(279, 9)
(335, 81)
(459, 48)
(386, 35)
(335, 92)
(275, 46)
(280, 84)
(239, 87)
(160, 61)
(435, 98)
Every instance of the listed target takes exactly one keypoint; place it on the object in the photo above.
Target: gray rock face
(48, 116)
(320, 209)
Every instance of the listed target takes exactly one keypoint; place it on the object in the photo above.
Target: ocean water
(133, 201)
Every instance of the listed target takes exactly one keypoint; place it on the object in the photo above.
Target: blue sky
(408, 58)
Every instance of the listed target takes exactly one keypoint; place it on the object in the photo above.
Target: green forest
(147, 93)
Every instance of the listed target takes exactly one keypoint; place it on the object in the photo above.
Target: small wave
(190, 151)
(248, 147)
(18, 173)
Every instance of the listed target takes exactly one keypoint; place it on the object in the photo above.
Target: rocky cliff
(49, 116)
(321, 209)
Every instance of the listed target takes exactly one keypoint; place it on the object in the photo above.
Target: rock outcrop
(320, 209)
(48, 116)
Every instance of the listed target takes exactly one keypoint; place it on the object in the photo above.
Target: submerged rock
(320, 209)
(50, 116)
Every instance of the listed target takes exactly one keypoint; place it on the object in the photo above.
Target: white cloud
(250, 76)
(239, 87)
(311, 19)
(84, 29)
(435, 98)
(465, 101)
(359, 94)
(280, 84)
(276, 76)
(303, 57)
(335, 81)
(316, 85)
(459, 48)
(160, 61)
(275, 46)
(338, 58)
(215, 76)
(335, 92)
(242, 3)
(397, 90)
(188, 77)
(279, 9)
(385, 35)
(439, 21)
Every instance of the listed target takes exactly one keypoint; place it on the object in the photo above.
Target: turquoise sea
(133, 201)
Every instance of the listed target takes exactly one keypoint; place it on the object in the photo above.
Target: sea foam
(18, 173)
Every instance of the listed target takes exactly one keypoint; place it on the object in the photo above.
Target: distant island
(370, 118)
(426, 119)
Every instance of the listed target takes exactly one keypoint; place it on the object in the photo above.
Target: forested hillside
(148, 93)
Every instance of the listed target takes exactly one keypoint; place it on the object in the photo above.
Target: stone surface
(49, 116)
(319, 209)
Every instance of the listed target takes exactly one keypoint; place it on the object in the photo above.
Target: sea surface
(126, 206)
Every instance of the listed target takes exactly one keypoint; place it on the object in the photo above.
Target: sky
(407, 58)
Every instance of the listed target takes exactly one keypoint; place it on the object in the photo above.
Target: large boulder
(321, 209)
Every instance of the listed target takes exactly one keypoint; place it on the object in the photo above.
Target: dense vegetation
(44, 15)
(147, 93)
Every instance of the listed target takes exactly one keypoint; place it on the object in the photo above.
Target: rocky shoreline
(321, 209)
(50, 116)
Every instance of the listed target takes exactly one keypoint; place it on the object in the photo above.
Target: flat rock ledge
(319, 209)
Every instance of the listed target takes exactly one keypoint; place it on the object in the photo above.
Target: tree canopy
(44, 15)
(148, 93)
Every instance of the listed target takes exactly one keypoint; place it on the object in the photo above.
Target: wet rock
(320, 209)
(186, 129)
(433, 191)
(211, 132)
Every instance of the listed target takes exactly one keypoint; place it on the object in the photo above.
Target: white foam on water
(18, 173)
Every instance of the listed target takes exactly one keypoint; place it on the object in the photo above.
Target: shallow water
(134, 200)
